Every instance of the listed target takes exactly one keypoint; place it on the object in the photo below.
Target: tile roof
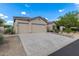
(50, 22)
(21, 18)
(28, 18)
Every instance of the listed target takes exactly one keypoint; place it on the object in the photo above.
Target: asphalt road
(69, 50)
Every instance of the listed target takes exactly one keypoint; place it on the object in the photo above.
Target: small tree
(70, 19)
(1, 39)
(2, 21)
(9, 29)
(7, 26)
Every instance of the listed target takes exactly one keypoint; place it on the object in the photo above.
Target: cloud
(26, 5)
(9, 22)
(61, 10)
(46, 18)
(23, 13)
(76, 4)
(3, 16)
(56, 19)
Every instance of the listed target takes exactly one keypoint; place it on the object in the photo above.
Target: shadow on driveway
(69, 50)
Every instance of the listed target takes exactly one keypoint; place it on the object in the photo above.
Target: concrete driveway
(43, 44)
(69, 50)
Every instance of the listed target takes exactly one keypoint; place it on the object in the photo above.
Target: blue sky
(50, 11)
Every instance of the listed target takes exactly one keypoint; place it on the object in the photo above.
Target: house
(27, 24)
(51, 26)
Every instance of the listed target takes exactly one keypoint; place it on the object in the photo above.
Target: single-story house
(27, 24)
(51, 26)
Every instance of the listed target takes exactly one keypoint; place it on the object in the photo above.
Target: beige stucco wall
(38, 21)
(24, 21)
(16, 25)
(30, 27)
(50, 26)
(39, 28)
(23, 28)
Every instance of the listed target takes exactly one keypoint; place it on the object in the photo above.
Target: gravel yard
(12, 47)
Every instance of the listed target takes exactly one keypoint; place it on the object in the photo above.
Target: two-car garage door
(23, 27)
(38, 27)
(34, 27)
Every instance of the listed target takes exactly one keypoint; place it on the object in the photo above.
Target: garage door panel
(33, 27)
(23, 27)
(38, 27)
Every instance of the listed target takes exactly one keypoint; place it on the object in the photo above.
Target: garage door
(23, 27)
(38, 27)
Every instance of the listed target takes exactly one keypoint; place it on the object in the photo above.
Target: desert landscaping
(37, 36)
(12, 46)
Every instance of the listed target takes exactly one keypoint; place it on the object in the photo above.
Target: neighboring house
(27, 24)
(51, 26)
(61, 28)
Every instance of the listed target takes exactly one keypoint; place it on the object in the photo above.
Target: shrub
(57, 31)
(68, 30)
(9, 31)
(1, 39)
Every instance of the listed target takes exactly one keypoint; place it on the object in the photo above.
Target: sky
(50, 11)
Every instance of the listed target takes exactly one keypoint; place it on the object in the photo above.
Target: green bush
(50, 30)
(57, 31)
(9, 31)
(68, 30)
(1, 39)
